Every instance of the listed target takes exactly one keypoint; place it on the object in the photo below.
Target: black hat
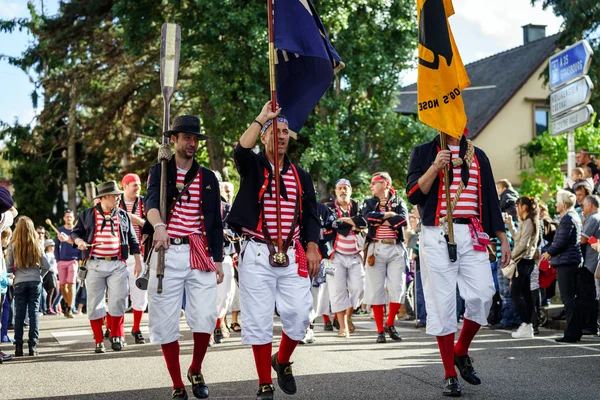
(106, 188)
(6, 201)
(186, 124)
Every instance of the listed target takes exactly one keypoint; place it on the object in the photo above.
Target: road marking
(551, 340)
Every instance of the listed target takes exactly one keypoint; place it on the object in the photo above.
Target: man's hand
(13, 211)
(595, 246)
(82, 245)
(442, 159)
(219, 271)
(161, 238)
(266, 114)
(136, 220)
(546, 256)
(63, 237)
(137, 269)
(313, 258)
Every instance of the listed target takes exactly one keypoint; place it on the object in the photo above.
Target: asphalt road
(331, 368)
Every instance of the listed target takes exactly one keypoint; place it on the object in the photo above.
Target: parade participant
(105, 235)
(385, 255)
(226, 290)
(67, 258)
(476, 215)
(133, 203)
(262, 283)
(348, 280)
(193, 238)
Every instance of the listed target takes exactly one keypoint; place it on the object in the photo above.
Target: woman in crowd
(26, 258)
(525, 246)
(565, 255)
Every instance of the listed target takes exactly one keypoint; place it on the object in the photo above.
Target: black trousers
(520, 291)
(567, 284)
(586, 298)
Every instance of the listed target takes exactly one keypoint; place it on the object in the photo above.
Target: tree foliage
(102, 57)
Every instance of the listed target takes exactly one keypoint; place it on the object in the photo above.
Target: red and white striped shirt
(111, 244)
(185, 217)
(138, 212)
(384, 231)
(345, 244)
(468, 202)
(287, 208)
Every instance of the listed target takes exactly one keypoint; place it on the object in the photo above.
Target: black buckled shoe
(380, 337)
(100, 348)
(391, 330)
(107, 334)
(285, 377)
(116, 343)
(218, 335)
(465, 367)
(179, 394)
(336, 324)
(199, 388)
(265, 392)
(452, 387)
(328, 326)
(139, 338)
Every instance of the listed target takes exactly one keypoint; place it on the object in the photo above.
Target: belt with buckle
(177, 241)
(254, 239)
(105, 258)
(385, 241)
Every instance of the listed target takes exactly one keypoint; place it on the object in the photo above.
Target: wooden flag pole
(451, 244)
(271, 18)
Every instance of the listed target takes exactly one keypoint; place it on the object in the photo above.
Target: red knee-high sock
(171, 355)
(378, 314)
(96, 325)
(262, 359)
(335, 316)
(326, 318)
(218, 325)
(467, 333)
(108, 321)
(286, 348)
(117, 326)
(394, 308)
(446, 345)
(200, 346)
(137, 318)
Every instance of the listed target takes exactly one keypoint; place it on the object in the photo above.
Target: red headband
(381, 179)
(130, 178)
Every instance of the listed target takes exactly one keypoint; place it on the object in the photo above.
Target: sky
(481, 28)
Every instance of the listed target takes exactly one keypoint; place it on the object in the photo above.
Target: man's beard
(183, 154)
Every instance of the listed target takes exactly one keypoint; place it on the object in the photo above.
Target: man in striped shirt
(105, 235)
(263, 285)
(348, 281)
(192, 237)
(133, 203)
(476, 217)
(385, 254)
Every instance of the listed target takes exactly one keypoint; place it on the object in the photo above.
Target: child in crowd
(587, 175)
(577, 178)
(29, 263)
(49, 283)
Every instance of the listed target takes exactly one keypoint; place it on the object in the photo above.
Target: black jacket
(421, 159)
(370, 211)
(508, 202)
(86, 227)
(210, 199)
(325, 219)
(565, 249)
(246, 208)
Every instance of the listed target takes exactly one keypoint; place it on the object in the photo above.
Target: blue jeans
(494, 266)
(509, 315)
(421, 311)
(27, 297)
(5, 316)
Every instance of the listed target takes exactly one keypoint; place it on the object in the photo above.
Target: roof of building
(494, 81)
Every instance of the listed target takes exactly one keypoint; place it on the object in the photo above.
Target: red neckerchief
(339, 210)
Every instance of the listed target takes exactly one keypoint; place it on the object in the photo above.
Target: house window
(542, 120)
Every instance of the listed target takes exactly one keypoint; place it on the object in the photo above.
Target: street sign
(572, 62)
(570, 96)
(572, 120)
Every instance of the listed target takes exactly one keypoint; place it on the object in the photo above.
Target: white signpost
(571, 90)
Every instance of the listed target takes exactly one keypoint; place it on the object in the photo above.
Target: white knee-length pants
(164, 310)
(103, 276)
(139, 297)
(262, 287)
(226, 289)
(347, 283)
(388, 272)
(471, 272)
(320, 296)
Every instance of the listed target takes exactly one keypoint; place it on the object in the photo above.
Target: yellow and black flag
(441, 74)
